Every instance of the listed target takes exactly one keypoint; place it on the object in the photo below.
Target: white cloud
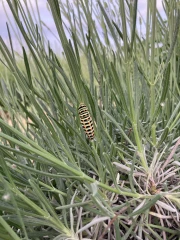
(142, 7)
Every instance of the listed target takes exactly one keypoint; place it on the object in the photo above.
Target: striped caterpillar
(86, 121)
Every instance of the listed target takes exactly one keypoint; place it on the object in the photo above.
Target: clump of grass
(57, 184)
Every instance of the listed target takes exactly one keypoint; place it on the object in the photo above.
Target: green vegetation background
(54, 182)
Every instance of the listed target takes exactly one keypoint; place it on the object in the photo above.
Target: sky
(5, 16)
(47, 18)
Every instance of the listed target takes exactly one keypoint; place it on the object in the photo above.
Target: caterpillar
(86, 121)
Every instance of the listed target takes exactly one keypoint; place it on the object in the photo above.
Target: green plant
(55, 183)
